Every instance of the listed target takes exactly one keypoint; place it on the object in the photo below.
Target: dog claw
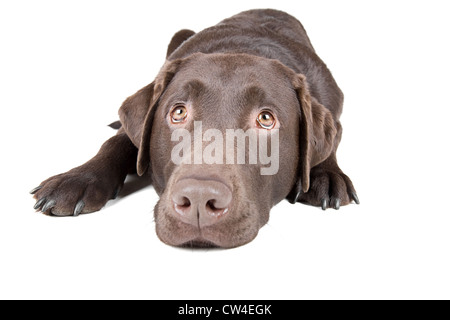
(116, 194)
(48, 205)
(297, 196)
(295, 199)
(35, 190)
(324, 204)
(78, 208)
(299, 191)
(337, 204)
(355, 197)
(39, 203)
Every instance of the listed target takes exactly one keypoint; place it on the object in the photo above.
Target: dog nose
(201, 202)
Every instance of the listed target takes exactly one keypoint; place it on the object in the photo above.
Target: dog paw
(77, 191)
(329, 188)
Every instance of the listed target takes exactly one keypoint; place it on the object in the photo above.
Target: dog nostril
(210, 203)
(185, 202)
(182, 206)
(213, 210)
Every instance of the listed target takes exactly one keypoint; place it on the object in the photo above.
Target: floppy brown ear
(137, 112)
(133, 112)
(317, 131)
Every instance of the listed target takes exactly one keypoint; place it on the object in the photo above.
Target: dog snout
(201, 203)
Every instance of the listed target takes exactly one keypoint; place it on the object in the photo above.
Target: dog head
(225, 138)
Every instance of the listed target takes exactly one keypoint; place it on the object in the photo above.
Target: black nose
(201, 202)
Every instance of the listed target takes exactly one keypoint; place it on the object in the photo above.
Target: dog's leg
(88, 187)
(329, 186)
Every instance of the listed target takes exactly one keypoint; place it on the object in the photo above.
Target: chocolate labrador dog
(255, 74)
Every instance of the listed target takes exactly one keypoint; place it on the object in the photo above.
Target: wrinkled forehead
(232, 80)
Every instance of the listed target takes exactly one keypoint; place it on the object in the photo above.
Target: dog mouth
(199, 243)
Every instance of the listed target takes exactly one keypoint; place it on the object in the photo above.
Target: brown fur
(224, 75)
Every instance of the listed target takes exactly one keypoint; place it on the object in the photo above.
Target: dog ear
(178, 39)
(133, 111)
(137, 112)
(317, 131)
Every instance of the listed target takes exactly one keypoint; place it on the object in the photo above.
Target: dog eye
(266, 120)
(178, 114)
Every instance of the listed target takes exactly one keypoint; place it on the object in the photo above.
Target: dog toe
(329, 188)
(75, 192)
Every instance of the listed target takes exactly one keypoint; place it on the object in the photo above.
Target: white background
(66, 67)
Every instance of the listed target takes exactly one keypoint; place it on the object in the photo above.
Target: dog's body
(258, 65)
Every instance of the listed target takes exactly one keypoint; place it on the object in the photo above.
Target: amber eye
(266, 120)
(178, 114)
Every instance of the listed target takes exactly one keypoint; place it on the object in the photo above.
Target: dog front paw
(80, 190)
(329, 188)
